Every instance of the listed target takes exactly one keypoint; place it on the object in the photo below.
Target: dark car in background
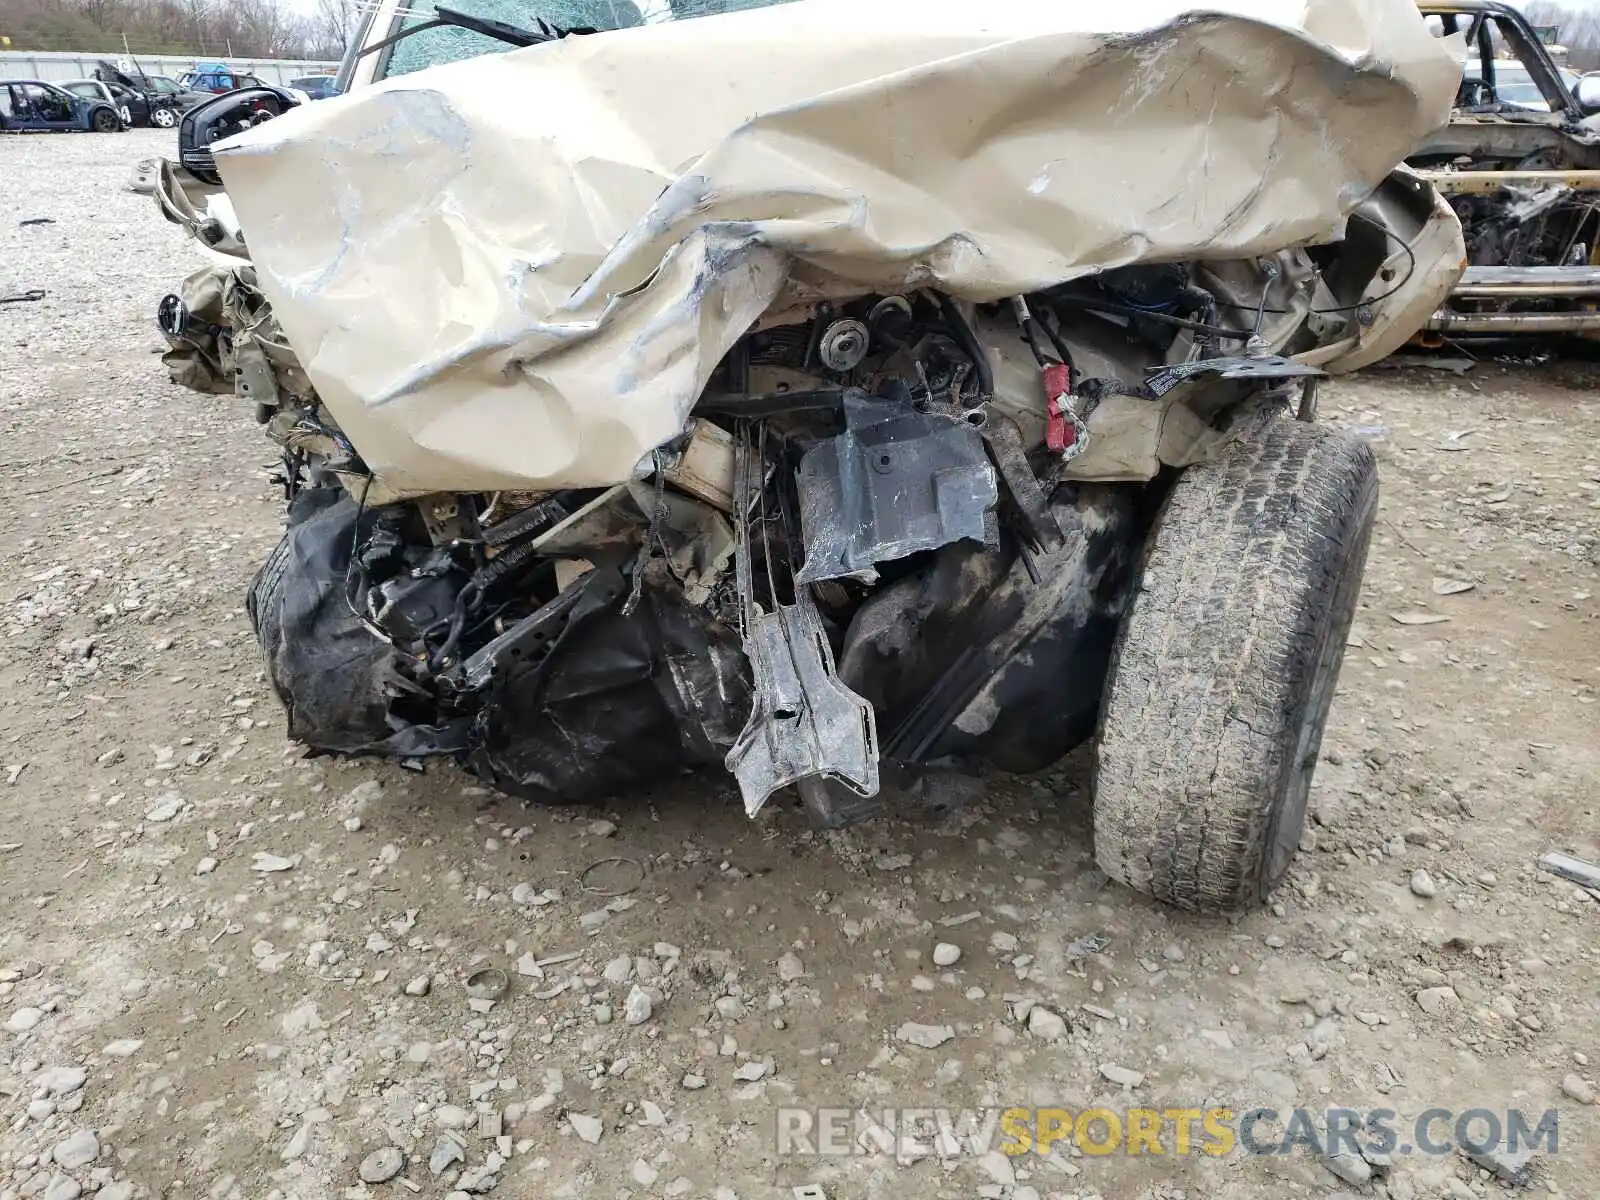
(34, 106)
(133, 108)
(164, 98)
(317, 87)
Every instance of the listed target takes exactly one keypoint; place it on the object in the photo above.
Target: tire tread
(1248, 574)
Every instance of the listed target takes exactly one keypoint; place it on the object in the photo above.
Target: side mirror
(1587, 92)
(222, 117)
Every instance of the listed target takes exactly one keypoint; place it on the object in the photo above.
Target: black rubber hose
(969, 343)
(1057, 341)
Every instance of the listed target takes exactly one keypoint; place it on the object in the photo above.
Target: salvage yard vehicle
(1520, 163)
(316, 87)
(218, 78)
(877, 412)
(130, 105)
(1514, 84)
(34, 106)
(162, 96)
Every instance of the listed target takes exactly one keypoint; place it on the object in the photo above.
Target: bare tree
(203, 28)
(1579, 31)
(335, 24)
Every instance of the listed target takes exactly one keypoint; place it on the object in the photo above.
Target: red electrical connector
(1060, 429)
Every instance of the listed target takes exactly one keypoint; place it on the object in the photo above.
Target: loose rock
(643, 1173)
(78, 1150)
(1510, 1167)
(62, 1081)
(298, 1144)
(1579, 1089)
(446, 1153)
(1046, 1025)
(165, 808)
(946, 954)
(1350, 1167)
(638, 1008)
(269, 863)
(382, 1165)
(1437, 1000)
(1123, 1076)
(926, 1036)
(24, 1019)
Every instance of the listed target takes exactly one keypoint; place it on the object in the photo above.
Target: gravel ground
(227, 970)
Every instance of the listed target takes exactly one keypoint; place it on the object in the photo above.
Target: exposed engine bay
(886, 535)
(890, 532)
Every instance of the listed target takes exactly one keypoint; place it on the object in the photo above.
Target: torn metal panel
(804, 723)
(1578, 870)
(465, 343)
(896, 482)
(1267, 366)
(253, 375)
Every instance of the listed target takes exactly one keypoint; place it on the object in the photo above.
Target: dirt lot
(230, 971)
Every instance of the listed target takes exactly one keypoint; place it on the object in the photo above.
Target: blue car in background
(317, 87)
(32, 105)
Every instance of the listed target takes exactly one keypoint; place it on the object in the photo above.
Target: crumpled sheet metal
(519, 270)
(896, 481)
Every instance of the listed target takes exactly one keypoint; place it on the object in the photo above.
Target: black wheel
(163, 117)
(105, 121)
(1225, 666)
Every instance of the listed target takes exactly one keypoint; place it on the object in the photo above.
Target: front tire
(163, 118)
(1225, 667)
(105, 121)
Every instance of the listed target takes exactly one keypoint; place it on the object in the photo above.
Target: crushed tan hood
(519, 270)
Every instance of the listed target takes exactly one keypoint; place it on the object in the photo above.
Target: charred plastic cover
(519, 270)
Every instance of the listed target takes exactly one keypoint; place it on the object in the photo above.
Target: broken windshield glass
(432, 47)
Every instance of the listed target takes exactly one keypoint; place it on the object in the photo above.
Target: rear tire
(163, 118)
(105, 121)
(1225, 666)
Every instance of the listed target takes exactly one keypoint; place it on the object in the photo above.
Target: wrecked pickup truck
(913, 395)
(1519, 161)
